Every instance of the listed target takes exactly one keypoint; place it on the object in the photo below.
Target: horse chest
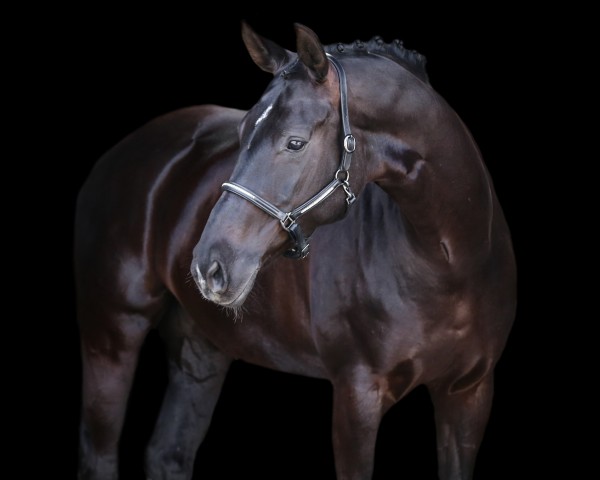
(381, 304)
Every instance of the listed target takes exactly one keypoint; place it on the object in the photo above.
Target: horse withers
(401, 273)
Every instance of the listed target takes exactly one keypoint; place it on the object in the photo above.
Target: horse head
(293, 172)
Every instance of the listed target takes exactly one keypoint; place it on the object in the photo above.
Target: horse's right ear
(269, 56)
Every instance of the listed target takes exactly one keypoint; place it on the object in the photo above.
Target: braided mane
(412, 60)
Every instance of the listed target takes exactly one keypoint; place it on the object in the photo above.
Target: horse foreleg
(461, 419)
(196, 374)
(109, 353)
(357, 412)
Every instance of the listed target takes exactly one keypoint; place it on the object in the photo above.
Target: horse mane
(412, 60)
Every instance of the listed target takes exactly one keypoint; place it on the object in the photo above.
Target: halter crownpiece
(340, 179)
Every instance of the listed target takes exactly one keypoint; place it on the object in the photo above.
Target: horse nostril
(215, 278)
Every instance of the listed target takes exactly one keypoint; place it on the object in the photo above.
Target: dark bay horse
(402, 271)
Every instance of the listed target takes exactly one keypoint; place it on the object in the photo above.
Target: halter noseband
(340, 179)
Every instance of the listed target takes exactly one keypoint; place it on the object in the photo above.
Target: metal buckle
(287, 222)
(349, 143)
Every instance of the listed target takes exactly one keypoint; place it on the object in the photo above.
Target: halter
(340, 179)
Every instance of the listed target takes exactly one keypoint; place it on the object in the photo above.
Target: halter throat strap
(340, 179)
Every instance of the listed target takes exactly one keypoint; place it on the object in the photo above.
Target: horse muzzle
(224, 282)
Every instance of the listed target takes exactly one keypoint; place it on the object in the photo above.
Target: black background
(95, 75)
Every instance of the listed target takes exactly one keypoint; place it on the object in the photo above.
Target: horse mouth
(230, 298)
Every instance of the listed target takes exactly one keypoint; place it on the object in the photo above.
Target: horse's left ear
(269, 56)
(311, 52)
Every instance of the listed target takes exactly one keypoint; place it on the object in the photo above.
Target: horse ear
(269, 56)
(311, 52)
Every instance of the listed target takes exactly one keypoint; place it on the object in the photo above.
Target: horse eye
(296, 145)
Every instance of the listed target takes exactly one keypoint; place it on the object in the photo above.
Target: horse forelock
(412, 60)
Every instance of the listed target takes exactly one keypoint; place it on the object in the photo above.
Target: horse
(344, 228)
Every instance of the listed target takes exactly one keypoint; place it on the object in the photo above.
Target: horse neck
(419, 151)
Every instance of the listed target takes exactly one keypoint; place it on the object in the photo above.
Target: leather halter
(340, 179)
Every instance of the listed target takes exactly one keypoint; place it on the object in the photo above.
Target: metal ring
(346, 176)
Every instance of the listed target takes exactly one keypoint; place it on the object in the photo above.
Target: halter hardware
(340, 179)
(349, 143)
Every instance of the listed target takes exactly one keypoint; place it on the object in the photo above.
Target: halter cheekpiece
(340, 179)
